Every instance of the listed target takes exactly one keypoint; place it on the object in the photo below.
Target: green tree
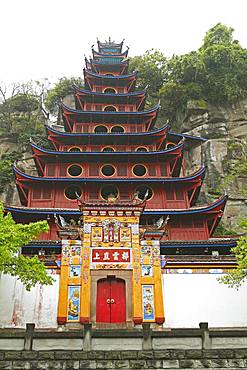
(236, 277)
(55, 95)
(216, 73)
(12, 237)
(151, 67)
(20, 113)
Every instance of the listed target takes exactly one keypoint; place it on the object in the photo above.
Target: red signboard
(109, 255)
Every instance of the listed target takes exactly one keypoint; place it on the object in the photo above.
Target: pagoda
(119, 202)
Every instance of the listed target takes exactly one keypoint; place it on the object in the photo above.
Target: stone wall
(165, 359)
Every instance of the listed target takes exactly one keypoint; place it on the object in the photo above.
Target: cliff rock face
(226, 130)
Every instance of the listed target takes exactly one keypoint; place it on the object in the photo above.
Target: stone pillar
(206, 340)
(147, 341)
(28, 339)
(87, 339)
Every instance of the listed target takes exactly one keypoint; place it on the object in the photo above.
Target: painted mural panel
(148, 302)
(147, 270)
(75, 271)
(73, 303)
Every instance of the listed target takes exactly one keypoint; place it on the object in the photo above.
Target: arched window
(109, 90)
(108, 149)
(141, 149)
(100, 129)
(110, 108)
(117, 129)
(170, 145)
(74, 149)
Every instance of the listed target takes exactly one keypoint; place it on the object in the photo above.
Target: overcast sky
(48, 38)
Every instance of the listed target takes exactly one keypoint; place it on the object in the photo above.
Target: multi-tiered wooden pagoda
(120, 205)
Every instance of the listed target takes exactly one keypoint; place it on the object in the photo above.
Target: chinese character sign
(111, 256)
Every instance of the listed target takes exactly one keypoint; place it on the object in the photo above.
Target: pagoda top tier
(110, 47)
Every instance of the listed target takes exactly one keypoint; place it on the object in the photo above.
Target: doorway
(111, 300)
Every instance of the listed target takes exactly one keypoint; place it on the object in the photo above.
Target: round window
(144, 192)
(108, 191)
(139, 170)
(75, 170)
(108, 170)
(100, 129)
(73, 192)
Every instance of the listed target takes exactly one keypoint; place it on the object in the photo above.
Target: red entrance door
(111, 301)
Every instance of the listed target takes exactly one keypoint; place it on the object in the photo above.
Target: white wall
(188, 300)
(193, 298)
(18, 307)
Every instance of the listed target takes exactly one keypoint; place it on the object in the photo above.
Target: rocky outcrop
(226, 130)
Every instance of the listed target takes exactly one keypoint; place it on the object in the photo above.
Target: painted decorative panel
(148, 302)
(73, 303)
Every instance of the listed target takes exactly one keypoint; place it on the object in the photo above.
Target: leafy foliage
(236, 277)
(12, 237)
(20, 113)
(63, 88)
(216, 73)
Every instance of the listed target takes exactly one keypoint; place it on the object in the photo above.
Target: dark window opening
(141, 149)
(108, 170)
(75, 170)
(109, 190)
(110, 108)
(117, 129)
(109, 91)
(74, 149)
(144, 192)
(139, 170)
(107, 149)
(100, 129)
(73, 192)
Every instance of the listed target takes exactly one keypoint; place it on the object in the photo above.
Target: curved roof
(42, 152)
(94, 93)
(110, 46)
(122, 63)
(106, 55)
(215, 207)
(71, 116)
(123, 80)
(109, 78)
(138, 97)
(136, 138)
(165, 180)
